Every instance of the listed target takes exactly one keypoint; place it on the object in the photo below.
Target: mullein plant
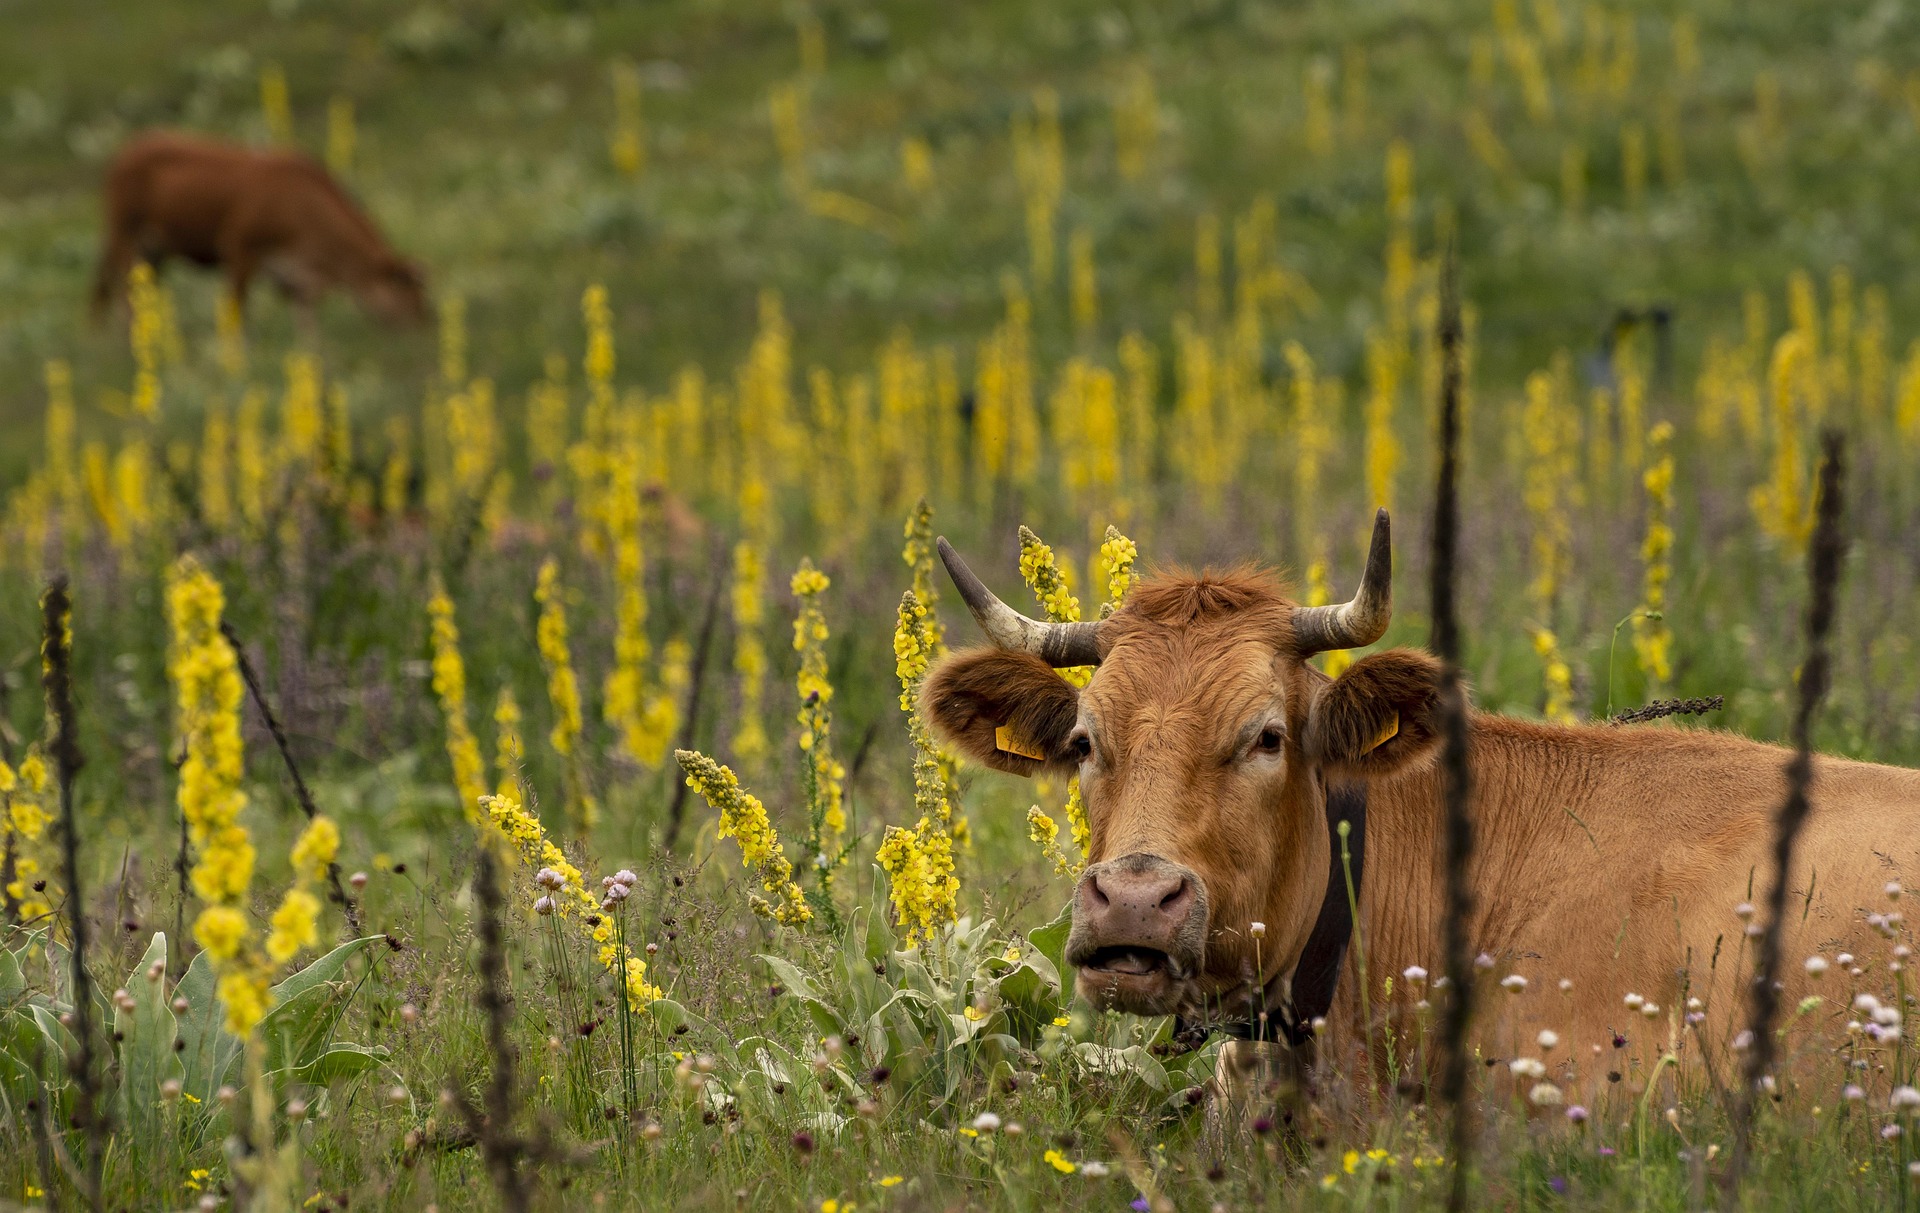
(744, 819)
(919, 861)
(1652, 638)
(450, 685)
(563, 694)
(1549, 433)
(25, 859)
(823, 777)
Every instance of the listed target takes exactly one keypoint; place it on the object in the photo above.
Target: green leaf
(1133, 1061)
(307, 1006)
(146, 1034)
(210, 1051)
(1051, 940)
(341, 1061)
(13, 979)
(797, 985)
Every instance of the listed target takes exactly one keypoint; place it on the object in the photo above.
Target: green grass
(482, 151)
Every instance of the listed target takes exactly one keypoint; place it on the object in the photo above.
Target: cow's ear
(1009, 711)
(1378, 716)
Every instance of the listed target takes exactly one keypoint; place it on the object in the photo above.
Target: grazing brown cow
(1216, 763)
(248, 211)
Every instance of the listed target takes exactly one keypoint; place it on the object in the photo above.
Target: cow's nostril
(1173, 898)
(1099, 894)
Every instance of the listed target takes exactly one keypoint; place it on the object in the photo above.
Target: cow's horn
(1362, 621)
(1058, 644)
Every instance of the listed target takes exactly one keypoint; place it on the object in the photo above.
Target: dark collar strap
(1318, 971)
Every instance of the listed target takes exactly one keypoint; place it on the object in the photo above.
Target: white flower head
(1893, 890)
(1414, 974)
(1566, 987)
(1546, 1095)
(1743, 911)
(1853, 1092)
(1634, 1002)
(1816, 965)
(1548, 1040)
(1483, 961)
(1258, 930)
(543, 905)
(626, 877)
(1527, 1067)
(1904, 1099)
(1093, 1168)
(986, 1122)
(547, 878)
(1513, 983)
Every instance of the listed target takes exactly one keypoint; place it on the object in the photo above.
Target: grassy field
(726, 287)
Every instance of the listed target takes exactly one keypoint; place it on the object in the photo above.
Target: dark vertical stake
(492, 1126)
(1457, 778)
(56, 665)
(300, 791)
(1824, 557)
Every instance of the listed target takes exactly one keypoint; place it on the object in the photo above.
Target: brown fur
(1610, 857)
(1398, 689)
(248, 211)
(976, 691)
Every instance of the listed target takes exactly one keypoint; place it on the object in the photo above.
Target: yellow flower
(295, 926)
(1118, 555)
(450, 684)
(744, 819)
(243, 991)
(1061, 1021)
(1059, 1162)
(823, 778)
(973, 1013)
(888, 1181)
(1349, 1161)
(220, 931)
(315, 849)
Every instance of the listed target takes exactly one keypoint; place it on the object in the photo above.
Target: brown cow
(1213, 759)
(248, 211)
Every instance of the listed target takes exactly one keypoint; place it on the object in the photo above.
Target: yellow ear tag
(1387, 734)
(1004, 742)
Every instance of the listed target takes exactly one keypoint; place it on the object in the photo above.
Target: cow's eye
(1080, 746)
(1269, 742)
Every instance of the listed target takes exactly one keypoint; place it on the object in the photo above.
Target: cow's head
(1204, 744)
(396, 290)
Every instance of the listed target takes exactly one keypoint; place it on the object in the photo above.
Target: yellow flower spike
(1652, 638)
(824, 777)
(744, 819)
(315, 849)
(1059, 1162)
(450, 684)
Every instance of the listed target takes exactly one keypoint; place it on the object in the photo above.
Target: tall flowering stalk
(919, 861)
(509, 751)
(296, 923)
(563, 691)
(918, 555)
(824, 776)
(1652, 638)
(565, 895)
(146, 334)
(1118, 555)
(744, 819)
(749, 653)
(643, 716)
(23, 832)
(207, 693)
(1547, 431)
(450, 684)
(1043, 576)
(1783, 505)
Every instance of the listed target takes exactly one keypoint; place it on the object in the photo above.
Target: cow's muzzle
(1139, 931)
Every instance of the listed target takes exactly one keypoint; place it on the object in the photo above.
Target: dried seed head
(358, 880)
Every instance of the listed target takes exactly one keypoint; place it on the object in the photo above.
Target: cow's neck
(1538, 794)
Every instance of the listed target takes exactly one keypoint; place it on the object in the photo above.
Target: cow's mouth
(1133, 977)
(1128, 960)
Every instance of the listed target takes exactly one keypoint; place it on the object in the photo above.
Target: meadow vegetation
(501, 777)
